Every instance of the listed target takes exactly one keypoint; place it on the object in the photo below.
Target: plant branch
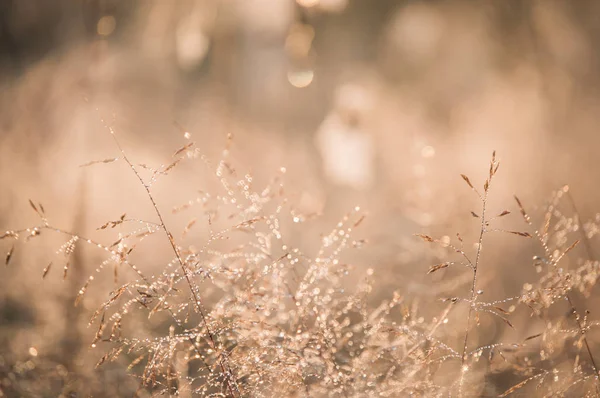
(227, 374)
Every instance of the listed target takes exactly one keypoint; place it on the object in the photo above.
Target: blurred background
(380, 104)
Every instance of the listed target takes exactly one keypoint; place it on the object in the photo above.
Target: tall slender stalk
(475, 266)
(227, 374)
(591, 257)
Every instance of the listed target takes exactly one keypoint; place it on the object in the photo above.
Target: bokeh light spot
(106, 25)
(301, 78)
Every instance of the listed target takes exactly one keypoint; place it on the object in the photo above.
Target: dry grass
(237, 309)
(198, 273)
